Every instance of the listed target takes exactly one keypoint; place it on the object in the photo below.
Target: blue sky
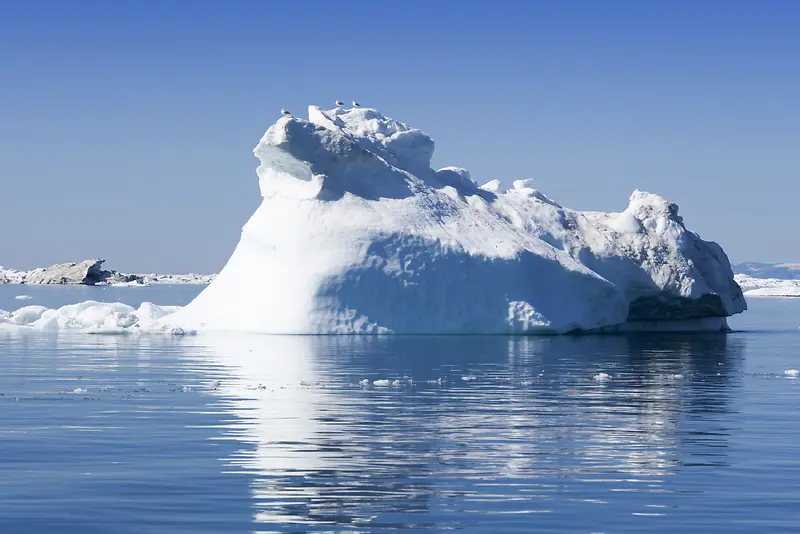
(126, 127)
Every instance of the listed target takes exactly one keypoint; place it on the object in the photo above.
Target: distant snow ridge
(357, 234)
(768, 287)
(781, 271)
(91, 272)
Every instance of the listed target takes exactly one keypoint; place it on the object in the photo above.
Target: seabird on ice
(339, 103)
(356, 104)
(286, 113)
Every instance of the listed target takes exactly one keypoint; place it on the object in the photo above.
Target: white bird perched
(356, 104)
(285, 112)
(339, 103)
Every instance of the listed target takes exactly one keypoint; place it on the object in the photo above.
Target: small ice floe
(468, 378)
(792, 373)
(23, 297)
(397, 383)
(674, 377)
(80, 391)
(601, 377)
(187, 389)
(438, 381)
(363, 383)
(382, 383)
(214, 384)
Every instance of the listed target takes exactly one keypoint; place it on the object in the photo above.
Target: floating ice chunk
(95, 318)
(397, 383)
(468, 378)
(23, 297)
(675, 377)
(363, 383)
(214, 384)
(80, 391)
(27, 315)
(382, 383)
(791, 372)
(601, 377)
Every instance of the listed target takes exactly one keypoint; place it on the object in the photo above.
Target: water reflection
(476, 431)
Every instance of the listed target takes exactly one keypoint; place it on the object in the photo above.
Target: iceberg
(11, 276)
(357, 234)
(768, 287)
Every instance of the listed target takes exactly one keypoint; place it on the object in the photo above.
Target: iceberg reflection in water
(242, 433)
(477, 431)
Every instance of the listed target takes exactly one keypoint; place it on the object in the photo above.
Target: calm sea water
(686, 433)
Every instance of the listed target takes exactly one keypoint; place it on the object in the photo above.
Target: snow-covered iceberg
(357, 233)
(768, 287)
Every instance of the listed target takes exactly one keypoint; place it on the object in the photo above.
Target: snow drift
(767, 287)
(357, 233)
(91, 317)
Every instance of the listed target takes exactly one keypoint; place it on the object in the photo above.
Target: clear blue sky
(126, 127)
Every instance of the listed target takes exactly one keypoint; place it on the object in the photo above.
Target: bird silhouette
(339, 103)
(356, 104)
(286, 113)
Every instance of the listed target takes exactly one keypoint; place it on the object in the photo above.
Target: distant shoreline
(91, 273)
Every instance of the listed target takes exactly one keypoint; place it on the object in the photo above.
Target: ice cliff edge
(356, 233)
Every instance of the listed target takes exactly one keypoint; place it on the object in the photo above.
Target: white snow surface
(11, 276)
(356, 233)
(91, 317)
(768, 287)
(176, 279)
